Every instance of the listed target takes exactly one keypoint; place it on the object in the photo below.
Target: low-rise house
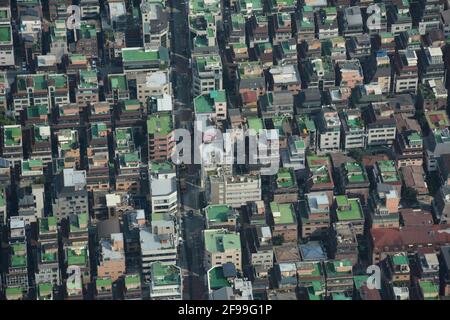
(285, 221)
(315, 214)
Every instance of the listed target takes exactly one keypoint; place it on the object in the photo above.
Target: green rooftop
(388, 171)
(205, 103)
(221, 241)
(165, 275)
(156, 167)
(32, 164)
(348, 209)
(5, 33)
(47, 224)
(13, 135)
(118, 82)
(45, 289)
(354, 172)
(218, 212)
(333, 268)
(203, 64)
(217, 279)
(74, 258)
(139, 54)
(306, 124)
(360, 280)
(400, 260)
(159, 124)
(283, 213)
(103, 283)
(13, 292)
(430, 289)
(285, 178)
(132, 280)
(255, 124)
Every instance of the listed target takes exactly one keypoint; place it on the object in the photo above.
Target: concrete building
(221, 246)
(285, 221)
(352, 130)
(156, 247)
(70, 195)
(329, 126)
(207, 74)
(160, 136)
(166, 282)
(155, 25)
(221, 217)
(315, 214)
(111, 260)
(233, 190)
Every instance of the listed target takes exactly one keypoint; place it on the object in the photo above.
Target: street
(191, 250)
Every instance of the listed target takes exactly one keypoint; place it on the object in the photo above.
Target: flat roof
(283, 213)
(159, 124)
(221, 241)
(218, 212)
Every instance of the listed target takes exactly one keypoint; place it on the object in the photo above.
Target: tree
(5, 121)
(278, 240)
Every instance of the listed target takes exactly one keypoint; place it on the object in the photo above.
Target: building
(221, 217)
(381, 125)
(166, 282)
(12, 143)
(406, 75)
(212, 104)
(408, 239)
(155, 25)
(207, 74)
(221, 246)
(140, 60)
(285, 221)
(111, 257)
(315, 214)
(353, 131)
(329, 126)
(349, 211)
(163, 195)
(233, 190)
(160, 136)
(157, 244)
(70, 195)
(285, 188)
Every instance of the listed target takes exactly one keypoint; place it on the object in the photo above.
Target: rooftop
(285, 178)
(217, 279)
(221, 241)
(218, 212)
(283, 213)
(165, 275)
(159, 124)
(348, 209)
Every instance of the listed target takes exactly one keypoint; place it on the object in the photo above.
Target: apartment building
(155, 25)
(12, 143)
(166, 282)
(381, 125)
(207, 74)
(285, 221)
(70, 195)
(213, 103)
(406, 72)
(221, 247)
(233, 190)
(314, 214)
(160, 136)
(329, 126)
(111, 260)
